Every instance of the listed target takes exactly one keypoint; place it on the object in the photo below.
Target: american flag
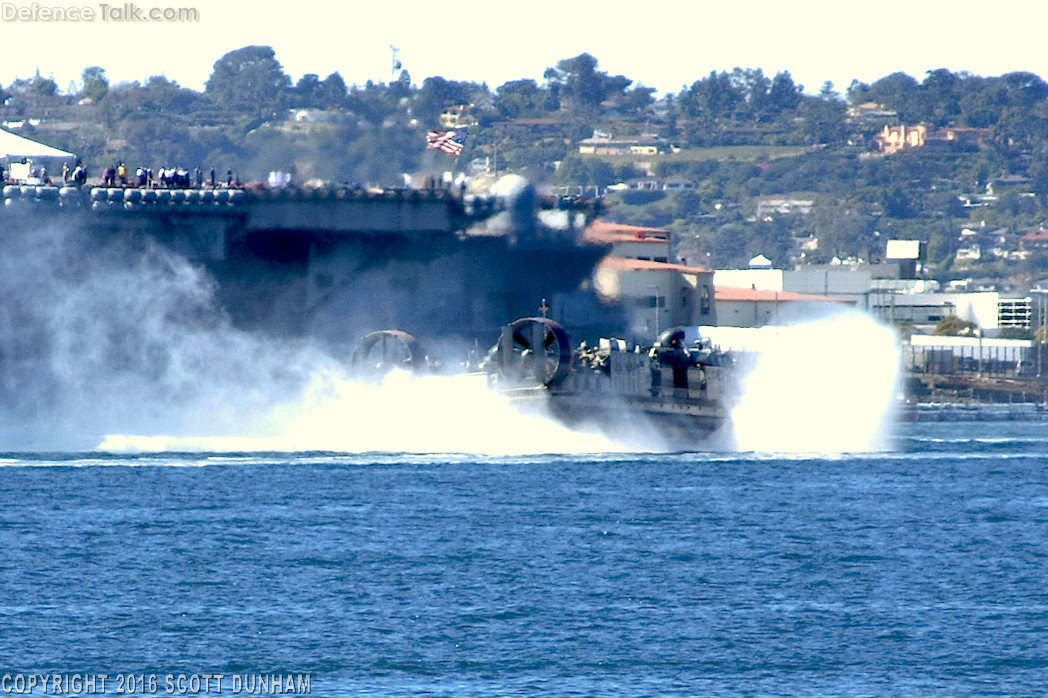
(449, 142)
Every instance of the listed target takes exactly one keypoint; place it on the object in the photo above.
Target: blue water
(917, 572)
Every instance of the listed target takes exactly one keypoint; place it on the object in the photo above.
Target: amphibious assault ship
(335, 262)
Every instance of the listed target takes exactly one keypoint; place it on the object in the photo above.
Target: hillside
(737, 164)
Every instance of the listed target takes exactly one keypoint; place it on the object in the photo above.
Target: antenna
(396, 63)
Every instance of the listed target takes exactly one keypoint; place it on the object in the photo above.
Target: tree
(249, 80)
(1024, 89)
(900, 92)
(713, 97)
(584, 86)
(158, 96)
(309, 91)
(755, 88)
(671, 116)
(784, 95)
(580, 80)
(844, 229)
(401, 87)
(981, 106)
(437, 94)
(940, 88)
(35, 88)
(519, 99)
(858, 93)
(96, 84)
(827, 92)
(44, 87)
(955, 327)
(637, 100)
(586, 172)
(689, 204)
(374, 103)
(823, 120)
(333, 91)
(156, 142)
(896, 203)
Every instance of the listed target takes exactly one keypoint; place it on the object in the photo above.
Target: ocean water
(920, 569)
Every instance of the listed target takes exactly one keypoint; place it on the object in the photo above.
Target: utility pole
(656, 311)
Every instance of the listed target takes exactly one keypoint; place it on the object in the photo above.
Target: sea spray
(125, 336)
(823, 386)
(402, 413)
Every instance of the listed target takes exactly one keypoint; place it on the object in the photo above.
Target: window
(650, 301)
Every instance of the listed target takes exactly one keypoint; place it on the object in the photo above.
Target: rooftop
(753, 295)
(602, 231)
(625, 264)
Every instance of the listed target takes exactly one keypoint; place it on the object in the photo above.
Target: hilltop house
(1036, 239)
(896, 138)
(458, 116)
(601, 143)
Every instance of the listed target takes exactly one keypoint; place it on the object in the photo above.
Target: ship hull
(330, 265)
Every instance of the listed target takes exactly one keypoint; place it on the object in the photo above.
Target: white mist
(825, 386)
(404, 413)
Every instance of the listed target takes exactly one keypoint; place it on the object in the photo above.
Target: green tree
(333, 91)
(755, 88)
(308, 91)
(375, 103)
(154, 141)
(713, 97)
(1038, 172)
(520, 99)
(585, 88)
(943, 98)
(689, 204)
(955, 327)
(636, 101)
(248, 80)
(96, 84)
(437, 94)
(731, 246)
(34, 89)
(896, 203)
(822, 120)
(575, 171)
(44, 87)
(858, 93)
(845, 228)
(156, 97)
(900, 92)
(981, 103)
(784, 95)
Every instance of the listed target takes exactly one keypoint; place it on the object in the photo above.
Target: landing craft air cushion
(679, 390)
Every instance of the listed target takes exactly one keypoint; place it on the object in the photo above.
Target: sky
(665, 46)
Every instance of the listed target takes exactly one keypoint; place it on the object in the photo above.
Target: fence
(989, 361)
